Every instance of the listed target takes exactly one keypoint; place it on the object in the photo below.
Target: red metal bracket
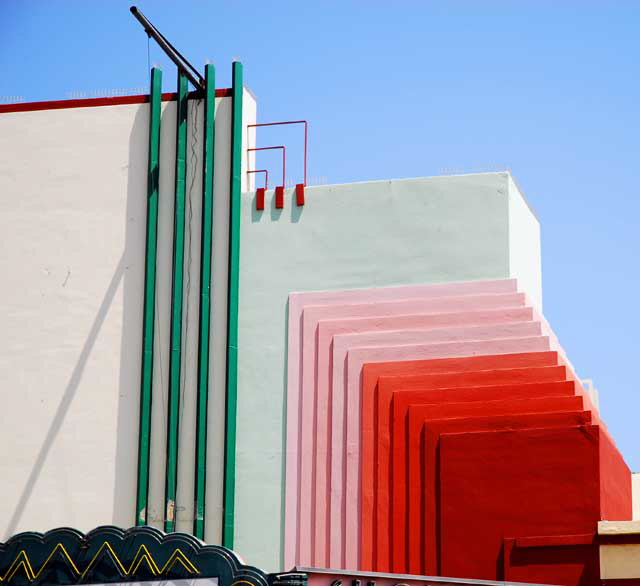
(279, 189)
(261, 190)
(299, 193)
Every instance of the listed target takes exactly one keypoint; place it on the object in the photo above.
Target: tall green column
(146, 383)
(205, 302)
(232, 310)
(175, 357)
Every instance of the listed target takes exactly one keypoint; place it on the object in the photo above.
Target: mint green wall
(409, 231)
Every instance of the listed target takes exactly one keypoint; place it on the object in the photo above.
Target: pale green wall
(380, 233)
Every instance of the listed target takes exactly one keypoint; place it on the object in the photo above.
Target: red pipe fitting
(261, 190)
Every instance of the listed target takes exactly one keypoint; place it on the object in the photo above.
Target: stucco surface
(72, 248)
(384, 233)
(375, 457)
(423, 509)
(308, 368)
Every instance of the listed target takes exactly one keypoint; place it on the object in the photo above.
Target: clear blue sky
(550, 90)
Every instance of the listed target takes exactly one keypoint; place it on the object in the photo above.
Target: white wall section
(524, 244)
(72, 234)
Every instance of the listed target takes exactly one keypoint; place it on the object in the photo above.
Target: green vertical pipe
(175, 357)
(144, 439)
(205, 301)
(232, 310)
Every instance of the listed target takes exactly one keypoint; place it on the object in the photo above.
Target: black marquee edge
(109, 554)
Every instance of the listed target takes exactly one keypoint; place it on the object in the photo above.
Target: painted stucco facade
(72, 224)
(381, 233)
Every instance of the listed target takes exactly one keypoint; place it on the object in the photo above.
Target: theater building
(340, 383)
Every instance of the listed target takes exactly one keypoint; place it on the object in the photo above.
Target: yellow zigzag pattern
(142, 556)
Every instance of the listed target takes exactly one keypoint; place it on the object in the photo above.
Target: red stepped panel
(615, 482)
(525, 484)
(564, 559)
(423, 511)
(414, 464)
(402, 399)
(403, 394)
(370, 374)
(382, 453)
(398, 495)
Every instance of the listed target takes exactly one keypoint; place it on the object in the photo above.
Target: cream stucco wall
(619, 559)
(72, 237)
(635, 490)
(72, 232)
(348, 236)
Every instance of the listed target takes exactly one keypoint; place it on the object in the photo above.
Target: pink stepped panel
(330, 404)
(297, 542)
(317, 368)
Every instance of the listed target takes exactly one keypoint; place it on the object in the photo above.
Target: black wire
(149, 58)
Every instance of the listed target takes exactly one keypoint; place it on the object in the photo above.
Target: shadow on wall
(67, 398)
(274, 213)
(130, 269)
(126, 453)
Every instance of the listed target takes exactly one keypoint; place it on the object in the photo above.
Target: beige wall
(619, 560)
(72, 237)
(635, 488)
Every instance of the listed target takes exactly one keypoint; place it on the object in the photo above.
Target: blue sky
(549, 90)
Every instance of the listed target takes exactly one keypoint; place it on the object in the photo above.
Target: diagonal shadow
(67, 397)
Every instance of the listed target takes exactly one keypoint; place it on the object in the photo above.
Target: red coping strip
(93, 102)
(370, 533)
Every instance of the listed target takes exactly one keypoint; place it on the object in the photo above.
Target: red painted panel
(513, 483)
(568, 559)
(398, 494)
(403, 398)
(423, 536)
(420, 487)
(382, 446)
(408, 402)
(615, 482)
(370, 374)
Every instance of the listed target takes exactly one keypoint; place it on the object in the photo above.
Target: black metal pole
(183, 65)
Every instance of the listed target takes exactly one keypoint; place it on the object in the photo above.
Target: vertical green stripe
(173, 416)
(232, 310)
(144, 440)
(205, 302)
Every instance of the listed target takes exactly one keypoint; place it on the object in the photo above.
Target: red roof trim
(93, 102)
